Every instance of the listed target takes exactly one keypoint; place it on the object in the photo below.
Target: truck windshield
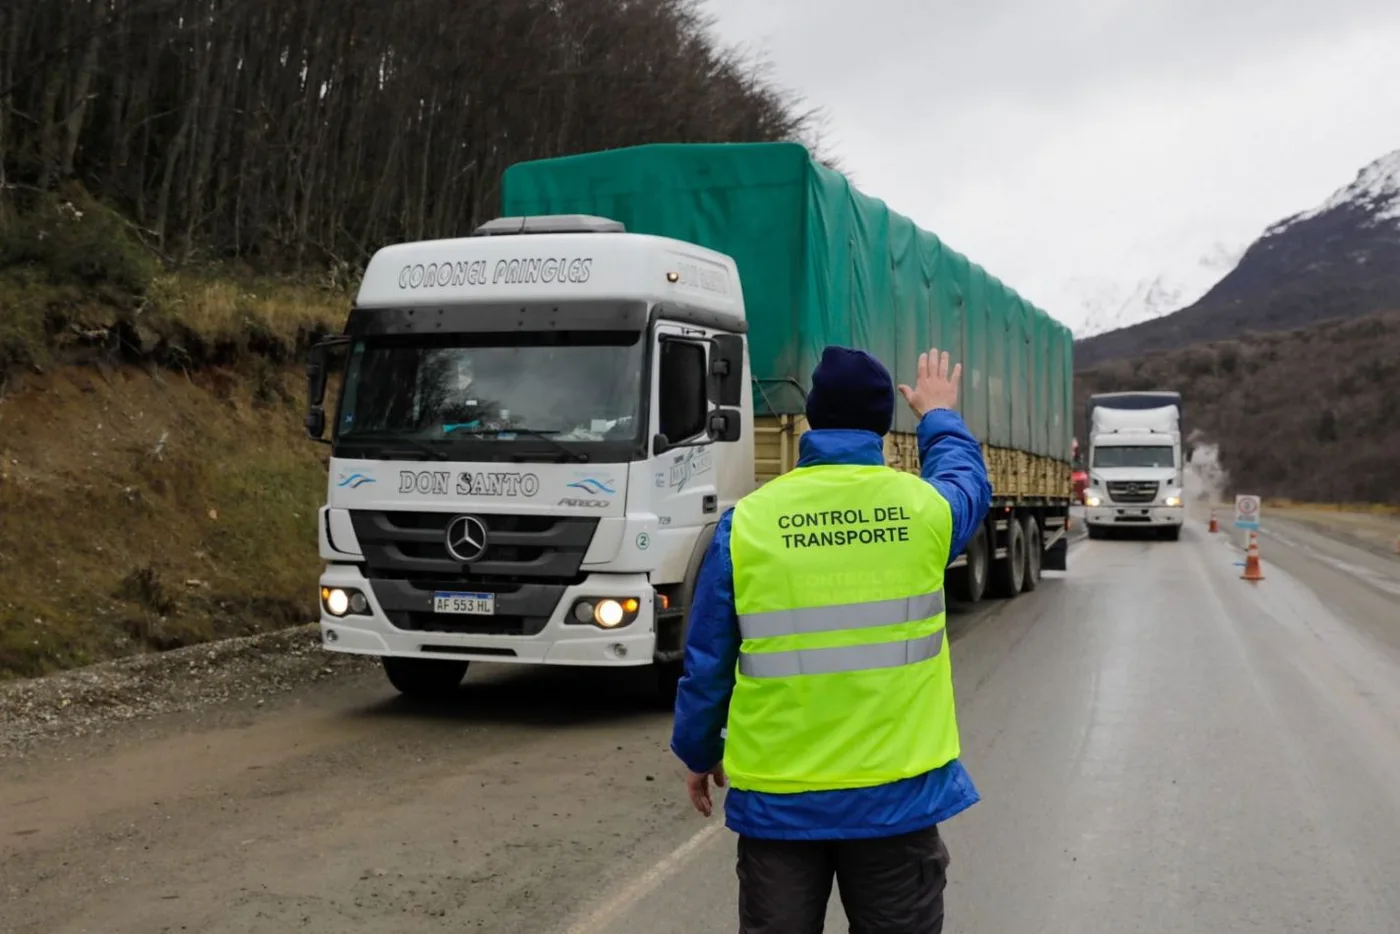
(533, 388)
(1147, 455)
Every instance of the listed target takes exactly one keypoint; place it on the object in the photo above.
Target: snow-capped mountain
(1337, 260)
(1103, 305)
(1375, 193)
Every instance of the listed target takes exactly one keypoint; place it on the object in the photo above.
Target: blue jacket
(951, 460)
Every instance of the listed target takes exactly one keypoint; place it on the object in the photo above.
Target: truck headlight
(1092, 500)
(606, 612)
(1173, 500)
(339, 602)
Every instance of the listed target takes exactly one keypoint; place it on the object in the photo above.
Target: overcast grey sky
(1107, 139)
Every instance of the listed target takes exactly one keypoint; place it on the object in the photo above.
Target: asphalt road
(1160, 747)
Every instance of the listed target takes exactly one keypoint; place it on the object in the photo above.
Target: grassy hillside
(1310, 415)
(156, 488)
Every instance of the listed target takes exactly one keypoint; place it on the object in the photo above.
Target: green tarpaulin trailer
(821, 264)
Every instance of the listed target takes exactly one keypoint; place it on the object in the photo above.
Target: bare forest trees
(291, 132)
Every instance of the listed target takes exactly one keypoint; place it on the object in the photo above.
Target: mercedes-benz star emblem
(466, 538)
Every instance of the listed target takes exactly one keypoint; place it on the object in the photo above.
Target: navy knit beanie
(852, 390)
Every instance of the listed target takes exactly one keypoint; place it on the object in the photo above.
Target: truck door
(682, 481)
(683, 478)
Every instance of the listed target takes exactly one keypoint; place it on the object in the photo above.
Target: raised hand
(935, 387)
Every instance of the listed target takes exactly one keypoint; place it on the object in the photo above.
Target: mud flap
(1057, 555)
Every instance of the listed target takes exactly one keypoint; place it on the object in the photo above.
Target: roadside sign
(1247, 512)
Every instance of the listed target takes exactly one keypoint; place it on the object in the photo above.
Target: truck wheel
(427, 678)
(1009, 573)
(1035, 554)
(968, 582)
(1097, 531)
(1172, 534)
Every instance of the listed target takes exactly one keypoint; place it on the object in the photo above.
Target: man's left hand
(936, 387)
(698, 784)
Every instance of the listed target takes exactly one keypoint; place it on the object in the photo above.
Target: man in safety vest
(817, 638)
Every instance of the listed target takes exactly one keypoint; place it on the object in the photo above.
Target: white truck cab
(1135, 463)
(537, 428)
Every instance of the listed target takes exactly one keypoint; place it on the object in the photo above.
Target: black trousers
(888, 885)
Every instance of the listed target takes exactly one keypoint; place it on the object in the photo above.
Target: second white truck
(1135, 464)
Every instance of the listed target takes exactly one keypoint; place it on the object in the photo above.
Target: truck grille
(412, 546)
(1131, 491)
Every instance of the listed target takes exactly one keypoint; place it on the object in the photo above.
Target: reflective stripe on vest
(843, 678)
(843, 616)
(841, 658)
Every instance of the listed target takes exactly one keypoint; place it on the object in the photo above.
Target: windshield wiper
(568, 453)
(577, 456)
(387, 441)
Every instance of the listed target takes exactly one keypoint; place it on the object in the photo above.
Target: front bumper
(557, 643)
(1127, 517)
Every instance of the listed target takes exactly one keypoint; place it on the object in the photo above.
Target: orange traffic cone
(1214, 526)
(1252, 571)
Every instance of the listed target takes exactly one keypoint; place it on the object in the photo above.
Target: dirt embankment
(156, 487)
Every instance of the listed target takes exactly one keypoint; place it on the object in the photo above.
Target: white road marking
(618, 902)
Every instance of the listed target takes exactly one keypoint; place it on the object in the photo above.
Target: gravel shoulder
(90, 701)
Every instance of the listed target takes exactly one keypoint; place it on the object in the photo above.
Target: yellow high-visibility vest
(843, 679)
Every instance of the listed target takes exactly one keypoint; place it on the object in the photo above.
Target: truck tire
(1172, 534)
(1035, 554)
(425, 678)
(1009, 573)
(1097, 531)
(967, 583)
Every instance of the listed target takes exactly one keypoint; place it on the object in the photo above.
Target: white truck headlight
(606, 612)
(337, 601)
(340, 602)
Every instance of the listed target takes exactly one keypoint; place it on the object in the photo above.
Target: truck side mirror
(725, 425)
(316, 376)
(317, 369)
(315, 423)
(316, 393)
(726, 376)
